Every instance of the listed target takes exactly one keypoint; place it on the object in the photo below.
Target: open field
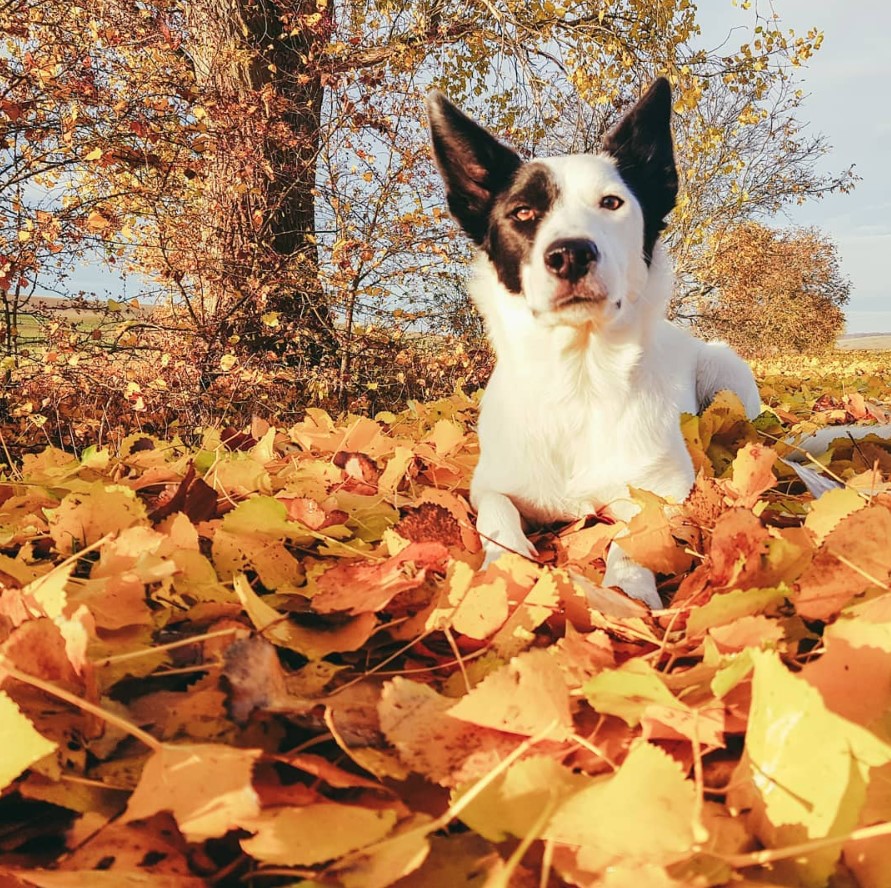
(866, 341)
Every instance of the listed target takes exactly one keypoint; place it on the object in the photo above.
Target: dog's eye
(524, 214)
(611, 202)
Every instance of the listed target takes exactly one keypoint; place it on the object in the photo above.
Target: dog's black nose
(570, 258)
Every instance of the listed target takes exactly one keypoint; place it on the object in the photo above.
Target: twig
(78, 702)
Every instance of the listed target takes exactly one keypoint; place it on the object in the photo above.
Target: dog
(573, 282)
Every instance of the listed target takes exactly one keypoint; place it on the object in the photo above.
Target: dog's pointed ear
(474, 165)
(642, 146)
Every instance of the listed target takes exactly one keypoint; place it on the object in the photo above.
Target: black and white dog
(573, 282)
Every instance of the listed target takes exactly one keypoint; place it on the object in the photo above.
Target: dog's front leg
(635, 580)
(500, 527)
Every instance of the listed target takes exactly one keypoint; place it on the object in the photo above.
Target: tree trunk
(255, 70)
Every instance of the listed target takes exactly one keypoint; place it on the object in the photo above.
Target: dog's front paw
(493, 551)
(641, 588)
(635, 581)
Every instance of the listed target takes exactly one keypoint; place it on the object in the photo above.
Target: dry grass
(866, 342)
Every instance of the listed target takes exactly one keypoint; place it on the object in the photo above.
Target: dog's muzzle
(571, 262)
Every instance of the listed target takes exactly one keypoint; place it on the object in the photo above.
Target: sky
(845, 83)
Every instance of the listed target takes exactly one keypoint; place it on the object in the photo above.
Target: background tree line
(264, 164)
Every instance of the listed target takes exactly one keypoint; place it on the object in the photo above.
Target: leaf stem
(80, 703)
(770, 855)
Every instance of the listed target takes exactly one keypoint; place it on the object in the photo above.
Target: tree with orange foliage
(773, 290)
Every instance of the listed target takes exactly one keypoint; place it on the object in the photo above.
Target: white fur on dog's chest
(564, 439)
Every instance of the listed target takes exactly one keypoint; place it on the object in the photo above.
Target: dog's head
(572, 235)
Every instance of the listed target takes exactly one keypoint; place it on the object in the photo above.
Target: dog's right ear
(474, 165)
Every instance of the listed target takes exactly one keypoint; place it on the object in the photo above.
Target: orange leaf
(415, 719)
(738, 544)
(752, 473)
(649, 540)
(206, 786)
(523, 697)
(854, 557)
(368, 586)
(96, 222)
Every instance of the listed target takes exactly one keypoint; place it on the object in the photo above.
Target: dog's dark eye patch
(512, 233)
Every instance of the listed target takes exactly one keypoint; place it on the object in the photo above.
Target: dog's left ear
(642, 147)
(474, 165)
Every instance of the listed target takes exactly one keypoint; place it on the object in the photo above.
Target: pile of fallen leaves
(275, 660)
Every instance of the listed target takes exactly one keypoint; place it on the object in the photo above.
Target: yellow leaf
(725, 609)
(804, 770)
(48, 591)
(396, 468)
(476, 609)
(629, 690)
(447, 435)
(648, 796)
(513, 803)
(97, 222)
(85, 516)
(523, 697)
(827, 511)
(21, 744)
(315, 833)
(518, 630)
(95, 154)
(385, 863)
(313, 644)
